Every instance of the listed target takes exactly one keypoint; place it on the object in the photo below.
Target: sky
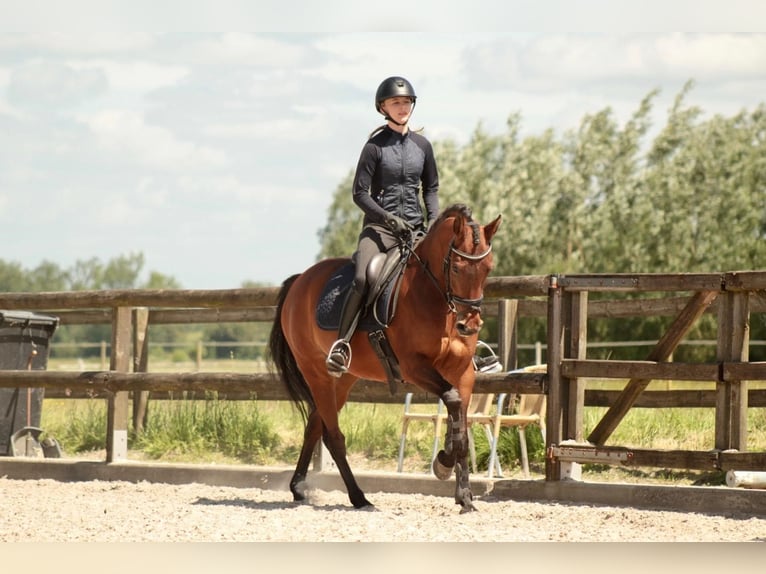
(213, 142)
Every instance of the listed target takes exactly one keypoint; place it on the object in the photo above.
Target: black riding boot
(339, 358)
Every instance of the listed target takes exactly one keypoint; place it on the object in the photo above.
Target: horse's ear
(491, 228)
(458, 224)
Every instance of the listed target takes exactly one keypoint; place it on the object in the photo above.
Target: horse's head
(467, 261)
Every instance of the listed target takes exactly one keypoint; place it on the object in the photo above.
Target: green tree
(13, 277)
(122, 272)
(159, 280)
(338, 238)
(48, 276)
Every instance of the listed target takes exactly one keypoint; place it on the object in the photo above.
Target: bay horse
(433, 333)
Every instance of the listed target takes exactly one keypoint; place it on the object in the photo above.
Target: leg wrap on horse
(451, 397)
(456, 439)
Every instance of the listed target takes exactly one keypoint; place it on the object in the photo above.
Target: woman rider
(395, 167)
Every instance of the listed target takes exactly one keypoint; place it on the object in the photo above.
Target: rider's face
(398, 108)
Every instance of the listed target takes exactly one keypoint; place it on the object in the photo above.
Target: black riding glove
(397, 225)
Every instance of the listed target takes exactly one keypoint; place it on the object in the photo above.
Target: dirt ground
(98, 511)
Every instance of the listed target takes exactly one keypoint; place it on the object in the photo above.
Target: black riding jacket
(392, 169)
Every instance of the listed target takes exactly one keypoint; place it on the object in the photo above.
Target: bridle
(453, 300)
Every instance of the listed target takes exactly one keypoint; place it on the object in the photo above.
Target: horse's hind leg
(311, 436)
(336, 444)
(323, 422)
(329, 404)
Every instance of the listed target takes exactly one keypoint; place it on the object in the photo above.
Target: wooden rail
(238, 386)
(563, 300)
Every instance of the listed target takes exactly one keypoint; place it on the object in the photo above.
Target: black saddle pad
(333, 296)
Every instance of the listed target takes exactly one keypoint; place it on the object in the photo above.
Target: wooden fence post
(140, 365)
(321, 460)
(507, 333)
(103, 355)
(731, 395)
(575, 308)
(117, 403)
(575, 333)
(553, 424)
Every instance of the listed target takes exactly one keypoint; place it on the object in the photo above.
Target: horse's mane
(453, 210)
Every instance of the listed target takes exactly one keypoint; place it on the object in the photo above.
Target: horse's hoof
(464, 498)
(440, 471)
(363, 504)
(469, 507)
(299, 491)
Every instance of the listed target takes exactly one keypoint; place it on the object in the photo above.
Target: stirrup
(339, 358)
(488, 364)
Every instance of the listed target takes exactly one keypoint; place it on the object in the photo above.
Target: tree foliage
(344, 222)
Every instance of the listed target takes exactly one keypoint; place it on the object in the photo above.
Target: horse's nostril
(464, 331)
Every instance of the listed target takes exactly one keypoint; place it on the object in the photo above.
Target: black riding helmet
(393, 87)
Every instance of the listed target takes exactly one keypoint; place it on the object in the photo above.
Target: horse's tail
(283, 359)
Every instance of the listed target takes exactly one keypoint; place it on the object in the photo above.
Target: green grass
(193, 428)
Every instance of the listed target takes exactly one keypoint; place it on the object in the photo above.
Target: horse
(433, 334)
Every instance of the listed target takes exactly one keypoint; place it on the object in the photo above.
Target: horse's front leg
(455, 453)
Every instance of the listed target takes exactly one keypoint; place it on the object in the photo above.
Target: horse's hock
(561, 300)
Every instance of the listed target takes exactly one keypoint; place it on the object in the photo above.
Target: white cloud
(301, 128)
(61, 44)
(713, 55)
(135, 75)
(8, 110)
(53, 84)
(235, 48)
(565, 61)
(230, 194)
(364, 60)
(126, 133)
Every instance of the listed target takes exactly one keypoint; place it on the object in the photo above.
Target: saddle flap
(381, 270)
(380, 301)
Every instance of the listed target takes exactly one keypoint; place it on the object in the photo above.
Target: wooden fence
(561, 299)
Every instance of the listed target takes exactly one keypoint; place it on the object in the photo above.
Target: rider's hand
(397, 225)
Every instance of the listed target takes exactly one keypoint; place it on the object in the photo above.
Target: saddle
(383, 275)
